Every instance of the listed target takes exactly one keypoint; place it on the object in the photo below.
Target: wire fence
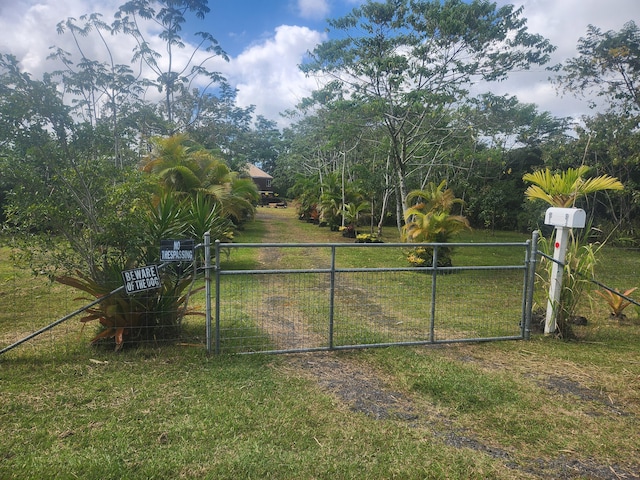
(309, 297)
(29, 304)
(38, 314)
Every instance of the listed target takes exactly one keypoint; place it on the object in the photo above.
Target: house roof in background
(255, 172)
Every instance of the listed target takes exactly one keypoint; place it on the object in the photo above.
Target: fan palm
(564, 188)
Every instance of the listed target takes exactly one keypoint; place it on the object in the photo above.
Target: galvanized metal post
(434, 276)
(532, 261)
(217, 270)
(332, 285)
(207, 284)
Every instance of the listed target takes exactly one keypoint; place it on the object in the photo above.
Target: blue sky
(243, 23)
(268, 39)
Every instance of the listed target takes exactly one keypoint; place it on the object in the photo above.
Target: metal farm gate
(313, 297)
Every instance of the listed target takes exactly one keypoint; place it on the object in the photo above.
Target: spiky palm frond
(434, 198)
(564, 188)
(433, 227)
(616, 302)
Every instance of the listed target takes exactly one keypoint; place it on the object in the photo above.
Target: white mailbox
(565, 217)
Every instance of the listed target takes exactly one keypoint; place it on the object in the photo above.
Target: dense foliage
(87, 155)
(397, 114)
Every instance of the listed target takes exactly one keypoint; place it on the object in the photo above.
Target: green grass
(175, 414)
(68, 410)
(501, 392)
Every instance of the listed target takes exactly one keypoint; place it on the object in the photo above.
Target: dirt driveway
(359, 387)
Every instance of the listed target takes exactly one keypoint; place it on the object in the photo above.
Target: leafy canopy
(608, 64)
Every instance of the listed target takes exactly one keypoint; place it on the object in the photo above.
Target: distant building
(261, 178)
(263, 181)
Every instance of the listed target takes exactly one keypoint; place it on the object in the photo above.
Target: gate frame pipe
(530, 283)
(207, 279)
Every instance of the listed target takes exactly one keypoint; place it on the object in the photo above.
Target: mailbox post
(563, 219)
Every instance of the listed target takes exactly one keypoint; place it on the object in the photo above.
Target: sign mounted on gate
(141, 279)
(177, 250)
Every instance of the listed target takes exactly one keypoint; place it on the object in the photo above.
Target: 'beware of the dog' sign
(140, 279)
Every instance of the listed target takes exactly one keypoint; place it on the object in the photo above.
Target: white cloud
(313, 9)
(563, 23)
(29, 28)
(267, 75)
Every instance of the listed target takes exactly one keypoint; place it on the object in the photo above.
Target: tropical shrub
(617, 303)
(564, 189)
(430, 221)
(195, 193)
(154, 315)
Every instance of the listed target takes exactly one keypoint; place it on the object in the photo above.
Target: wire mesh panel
(478, 304)
(345, 304)
(273, 312)
(38, 314)
(379, 307)
(306, 297)
(600, 289)
(28, 304)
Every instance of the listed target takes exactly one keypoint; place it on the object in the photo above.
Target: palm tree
(430, 221)
(564, 188)
(434, 197)
(186, 170)
(352, 211)
(237, 196)
(174, 164)
(351, 217)
(330, 200)
(433, 226)
(307, 191)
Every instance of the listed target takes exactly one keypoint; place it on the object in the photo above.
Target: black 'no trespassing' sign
(176, 250)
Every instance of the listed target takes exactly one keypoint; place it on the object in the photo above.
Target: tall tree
(169, 17)
(102, 91)
(35, 127)
(608, 65)
(506, 122)
(411, 61)
(218, 123)
(264, 144)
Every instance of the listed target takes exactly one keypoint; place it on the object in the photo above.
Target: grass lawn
(539, 409)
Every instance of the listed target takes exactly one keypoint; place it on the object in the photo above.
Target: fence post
(332, 285)
(207, 279)
(531, 281)
(217, 270)
(434, 275)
